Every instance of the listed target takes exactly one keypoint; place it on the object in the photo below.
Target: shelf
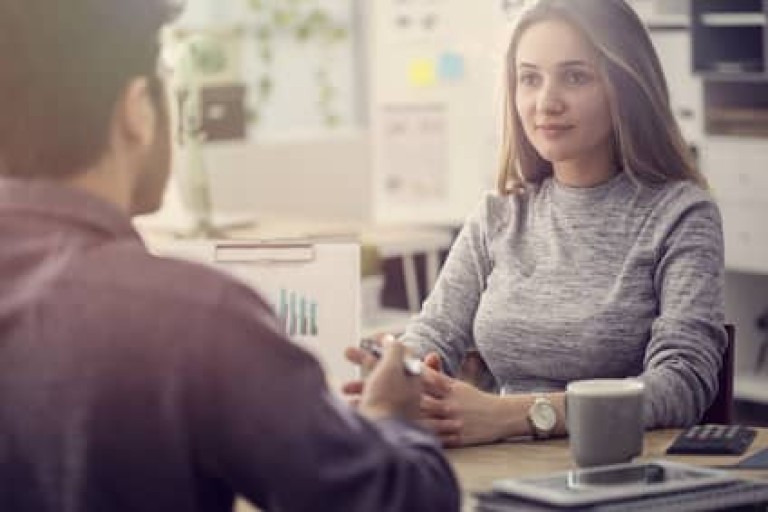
(737, 121)
(736, 67)
(753, 388)
(733, 19)
(735, 76)
(738, 108)
(667, 22)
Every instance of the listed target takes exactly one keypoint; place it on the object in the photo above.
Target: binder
(312, 285)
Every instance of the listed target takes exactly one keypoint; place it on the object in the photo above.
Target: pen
(411, 364)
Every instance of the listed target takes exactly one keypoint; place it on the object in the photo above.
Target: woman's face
(560, 97)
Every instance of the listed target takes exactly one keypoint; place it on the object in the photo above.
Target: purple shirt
(135, 383)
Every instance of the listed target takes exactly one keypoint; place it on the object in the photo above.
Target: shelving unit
(733, 19)
(730, 51)
(729, 40)
(729, 36)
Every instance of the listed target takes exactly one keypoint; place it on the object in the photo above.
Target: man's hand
(388, 391)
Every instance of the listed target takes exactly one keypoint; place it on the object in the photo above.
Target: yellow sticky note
(422, 73)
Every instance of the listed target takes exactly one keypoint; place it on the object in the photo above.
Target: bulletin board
(436, 84)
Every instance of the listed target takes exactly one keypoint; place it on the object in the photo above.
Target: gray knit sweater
(567, 283)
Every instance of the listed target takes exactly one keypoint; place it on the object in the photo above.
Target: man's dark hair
(63, 66)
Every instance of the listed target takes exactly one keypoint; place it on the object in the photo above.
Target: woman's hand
(457, 412)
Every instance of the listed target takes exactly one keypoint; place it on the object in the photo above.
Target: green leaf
(281, 18)
(264, 33)
(327, 93)
(303, 33)
(265, 86)
(266, 55)
(332, 120)
(339, 34)
(252, 116)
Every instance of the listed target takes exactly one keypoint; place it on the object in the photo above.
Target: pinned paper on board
(451, 67)
(421, 72)
(414, 152)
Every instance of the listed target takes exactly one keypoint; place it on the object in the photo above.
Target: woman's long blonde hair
(647, 139)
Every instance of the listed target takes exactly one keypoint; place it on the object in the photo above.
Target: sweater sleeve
(688, 337)
(268, 427)
(445, 322)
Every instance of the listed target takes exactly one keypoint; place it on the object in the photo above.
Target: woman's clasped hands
(456, 412)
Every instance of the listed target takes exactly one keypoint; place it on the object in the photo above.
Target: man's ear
(135, 116)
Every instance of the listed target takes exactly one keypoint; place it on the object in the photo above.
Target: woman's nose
(549, 101)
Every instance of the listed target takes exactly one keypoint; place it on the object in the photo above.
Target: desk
(477, 467)
(403, 242)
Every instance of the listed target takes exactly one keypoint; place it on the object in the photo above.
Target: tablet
(611, 483)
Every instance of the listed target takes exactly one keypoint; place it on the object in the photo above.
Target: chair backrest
(721, 410)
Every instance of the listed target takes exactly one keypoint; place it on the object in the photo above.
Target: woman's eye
(528, 79)
(577, 77)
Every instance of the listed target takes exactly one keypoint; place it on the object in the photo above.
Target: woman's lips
(553, 130)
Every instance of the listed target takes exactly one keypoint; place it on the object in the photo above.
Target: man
(133, 383)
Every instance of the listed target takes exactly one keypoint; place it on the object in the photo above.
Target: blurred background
(383, 117)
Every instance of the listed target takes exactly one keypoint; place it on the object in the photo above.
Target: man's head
(79, 87)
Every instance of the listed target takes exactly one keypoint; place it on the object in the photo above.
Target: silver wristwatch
(542, 417)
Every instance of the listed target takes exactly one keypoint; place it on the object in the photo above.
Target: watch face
(543, 415)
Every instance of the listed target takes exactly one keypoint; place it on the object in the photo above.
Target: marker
(412, 365)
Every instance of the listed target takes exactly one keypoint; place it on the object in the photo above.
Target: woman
(600, 255)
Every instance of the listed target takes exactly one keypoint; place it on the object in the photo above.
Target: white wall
(310, 178)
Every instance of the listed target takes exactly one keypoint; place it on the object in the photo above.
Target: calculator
(713, 440)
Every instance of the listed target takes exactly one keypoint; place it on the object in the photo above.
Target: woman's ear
(135, 117)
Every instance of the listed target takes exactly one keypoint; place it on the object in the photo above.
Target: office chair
(721, 410)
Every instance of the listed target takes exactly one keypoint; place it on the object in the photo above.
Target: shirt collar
(47, 198)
